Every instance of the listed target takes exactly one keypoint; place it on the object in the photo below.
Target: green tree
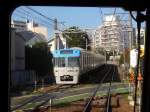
(127, 55)
(100, 50)
(121, 61)
(76, 37)
(39, 58)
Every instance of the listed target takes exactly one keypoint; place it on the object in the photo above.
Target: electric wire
(101, 14)
(52, 20)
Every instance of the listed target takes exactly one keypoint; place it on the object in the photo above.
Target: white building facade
(91, 37)
(111, 35)
(30, 26)
(57, 41)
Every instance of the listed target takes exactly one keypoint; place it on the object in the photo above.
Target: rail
(31, 100)
(108, 108)
(88, 104)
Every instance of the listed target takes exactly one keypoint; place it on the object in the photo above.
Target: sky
(83, 17)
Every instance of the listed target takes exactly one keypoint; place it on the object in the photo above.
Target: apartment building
(112, 35)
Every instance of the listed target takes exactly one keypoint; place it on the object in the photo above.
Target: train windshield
(73, 62)
(59, 62)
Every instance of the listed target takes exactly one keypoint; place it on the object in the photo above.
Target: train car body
(69, 64)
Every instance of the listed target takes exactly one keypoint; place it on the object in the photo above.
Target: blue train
(70, 63)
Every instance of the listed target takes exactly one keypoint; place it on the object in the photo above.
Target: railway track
(45, 96)
(62, 88)
(108, 107)
(110, 71)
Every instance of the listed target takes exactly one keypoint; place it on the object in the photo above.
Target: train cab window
(59, 62)
(73, 62)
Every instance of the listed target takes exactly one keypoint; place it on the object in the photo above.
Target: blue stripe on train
(66, 53)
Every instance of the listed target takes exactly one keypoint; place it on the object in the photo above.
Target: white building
(19, 25)
(30, 26)
(91, 35)
(97, 38)
(57, 43)
(34, 27)
(111, 35)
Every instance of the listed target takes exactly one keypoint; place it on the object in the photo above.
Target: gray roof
(28, 35)
(31, 37)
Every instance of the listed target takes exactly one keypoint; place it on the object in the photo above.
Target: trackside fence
(22, 77)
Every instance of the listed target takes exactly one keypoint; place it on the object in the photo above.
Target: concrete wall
(12, 47)
(17, 51)
(19, 76)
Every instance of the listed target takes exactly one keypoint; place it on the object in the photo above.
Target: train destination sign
(66, 52)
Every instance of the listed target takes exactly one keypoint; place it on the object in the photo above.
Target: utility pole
(86, 43)
(55, 24)
(113, 54)
(35, 83)
(50, 102)
(56, 34)
(130, 30)
(124, 67)
(105, 56)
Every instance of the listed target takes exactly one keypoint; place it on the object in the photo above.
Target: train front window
(59, 62)
(73, 62)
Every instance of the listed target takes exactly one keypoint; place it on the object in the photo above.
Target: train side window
(73, 61)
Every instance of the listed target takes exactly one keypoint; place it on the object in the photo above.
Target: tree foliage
(100, 50)
(75, 39)
(125, 57)
(39, 58)
(121, 61)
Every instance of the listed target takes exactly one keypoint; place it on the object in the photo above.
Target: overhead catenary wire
(42, 22)
(52, 20)
(39, 13)
(32, 16)
(46, 21)
(24, 16)
(18, 15)
(101, 13)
